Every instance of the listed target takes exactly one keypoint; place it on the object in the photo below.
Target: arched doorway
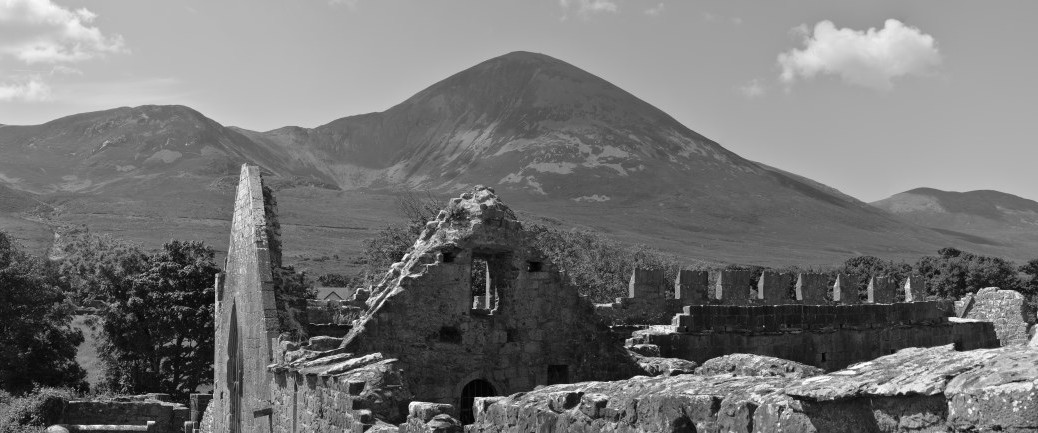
(235, 371)
(476, 388)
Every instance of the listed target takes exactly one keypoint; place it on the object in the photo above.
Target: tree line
(154, 309)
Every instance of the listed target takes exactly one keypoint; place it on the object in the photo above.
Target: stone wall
(336, 393)
(246, 312)
(537, 330)
(648, 302)
(826, 336)
(147, 413)
(914, 390)
(1006, 309)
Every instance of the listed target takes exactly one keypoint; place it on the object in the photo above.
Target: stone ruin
(473, 313)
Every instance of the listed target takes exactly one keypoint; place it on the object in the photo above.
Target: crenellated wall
(826, 336)
(649, 303)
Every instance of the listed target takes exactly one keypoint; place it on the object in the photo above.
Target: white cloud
(655, 10)
(584, 8)
(39, 31)
(32, 89)
(351, 4)
(753, 89)
(870, 58)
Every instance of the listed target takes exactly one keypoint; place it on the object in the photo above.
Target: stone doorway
(235, 371)
(476, 388)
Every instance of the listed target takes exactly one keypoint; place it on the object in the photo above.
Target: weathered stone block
(845, 290)
(733, 287)
(811, 288)
(692, 287)
(915, 288)
(773, 288)
(880, 290)
(646, 283)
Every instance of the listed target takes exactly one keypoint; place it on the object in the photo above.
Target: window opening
(491, 274)
(534, 266)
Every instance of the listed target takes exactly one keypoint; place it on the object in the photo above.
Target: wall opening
(476, 388)
(448, 257)
(235, 368)
(534, 266)
(491, 274)
(558, 374)
(450, 334)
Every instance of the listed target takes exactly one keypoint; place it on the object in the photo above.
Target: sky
(872, 98)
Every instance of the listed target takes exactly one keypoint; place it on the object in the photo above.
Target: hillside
(555, 141)
(985, 217)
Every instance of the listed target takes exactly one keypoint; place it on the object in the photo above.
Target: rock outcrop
(913, 390)
(745, 364)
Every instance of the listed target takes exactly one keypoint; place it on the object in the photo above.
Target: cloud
(655, 10)
(584, 8)
(350, 4)
(753, 89)
(32, 89)
(870, 58)
(39, 31)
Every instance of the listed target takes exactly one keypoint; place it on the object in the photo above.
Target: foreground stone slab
(745, 364)
(914, 390)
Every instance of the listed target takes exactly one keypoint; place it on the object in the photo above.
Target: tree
(37, 341)
(156, 331)
(953, 273)
(91, 265)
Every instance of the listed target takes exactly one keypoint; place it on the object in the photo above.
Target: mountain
(555, 141)
(985, 217)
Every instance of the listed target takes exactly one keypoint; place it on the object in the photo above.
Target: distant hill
(985, 217)
(554, 140)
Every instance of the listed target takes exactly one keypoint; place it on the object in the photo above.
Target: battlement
(651, 301)
(795, 318)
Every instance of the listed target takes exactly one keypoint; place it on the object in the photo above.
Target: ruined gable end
(246, 310)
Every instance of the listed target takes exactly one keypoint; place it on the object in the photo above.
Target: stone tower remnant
(880, 290)
(773, 288)
(733, 287)
(691, 287)
(915, 288)
(845, 291)
(811, 288)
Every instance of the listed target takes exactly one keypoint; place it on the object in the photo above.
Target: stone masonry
(773, 288)
(811, 289)
(1008, 310)
(733, 287)
(246, 313)
(880, 290)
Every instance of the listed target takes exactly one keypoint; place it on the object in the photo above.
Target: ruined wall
(914, 390)
(824, 336)
(246, 312)
(1006, 309)
(647, 301)
(529, 328)
(148, 412)
(168, 417)
(334, 393)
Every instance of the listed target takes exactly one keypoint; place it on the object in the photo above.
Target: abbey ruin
(426, 351)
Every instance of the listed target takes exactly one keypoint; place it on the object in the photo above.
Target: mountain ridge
(551, 138)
